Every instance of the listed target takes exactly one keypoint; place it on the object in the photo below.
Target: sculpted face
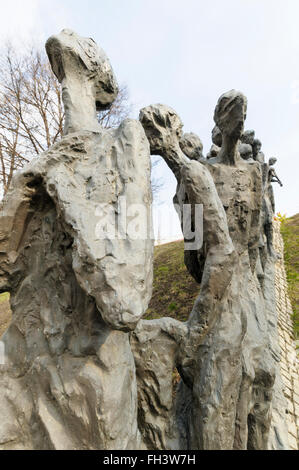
(230, 113)
(162, 126)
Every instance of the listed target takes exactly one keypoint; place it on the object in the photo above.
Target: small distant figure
(273, 178)
(269, 176)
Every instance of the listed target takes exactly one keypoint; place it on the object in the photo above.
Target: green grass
(290, 235)
(174, 290)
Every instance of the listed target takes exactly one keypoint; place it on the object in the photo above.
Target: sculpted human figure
(246, 152)
(223, 264)
(246, 143)
(229, 117)
(257, 153)
(270, 177)
(241, 191)
(165, 140)
(77, 286)
(272, 173)
(82, 369)
(191, 146)
(217, 142)
(239, 185)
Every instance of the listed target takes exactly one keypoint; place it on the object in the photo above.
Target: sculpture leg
(217, 382)
(241, 429)
(259, 418)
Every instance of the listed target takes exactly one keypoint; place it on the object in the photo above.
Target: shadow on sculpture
(83, 370)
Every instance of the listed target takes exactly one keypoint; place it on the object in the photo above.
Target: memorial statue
(231, 191)
(272, 173)
(83, 370)
(69, 379)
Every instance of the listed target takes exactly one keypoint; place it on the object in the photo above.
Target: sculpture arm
(16, 210)
(196, 186)
(274, 178)
(163, 129)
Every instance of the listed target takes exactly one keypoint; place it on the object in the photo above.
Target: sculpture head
(88, 81)
(191, 146)
(257, 145)
(272, 161)
(230, 114)
(162, 126)
(245, 151)
(216, 136)
(214, 151)
(248, 137)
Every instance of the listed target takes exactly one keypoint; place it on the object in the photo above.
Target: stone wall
(289, 364)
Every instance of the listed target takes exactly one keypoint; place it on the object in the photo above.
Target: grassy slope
(290, 234)
(174, 290)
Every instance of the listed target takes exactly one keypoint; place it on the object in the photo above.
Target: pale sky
(186, 53)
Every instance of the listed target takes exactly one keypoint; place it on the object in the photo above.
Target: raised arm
(163, 129)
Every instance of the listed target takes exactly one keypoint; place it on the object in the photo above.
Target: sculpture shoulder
(130, 138)
(132, 126)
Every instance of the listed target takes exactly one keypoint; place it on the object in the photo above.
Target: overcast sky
(186, 53)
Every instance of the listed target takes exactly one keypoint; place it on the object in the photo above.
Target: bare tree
(119, 110)
(156, 181)
(32, 114)
(31, 109)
